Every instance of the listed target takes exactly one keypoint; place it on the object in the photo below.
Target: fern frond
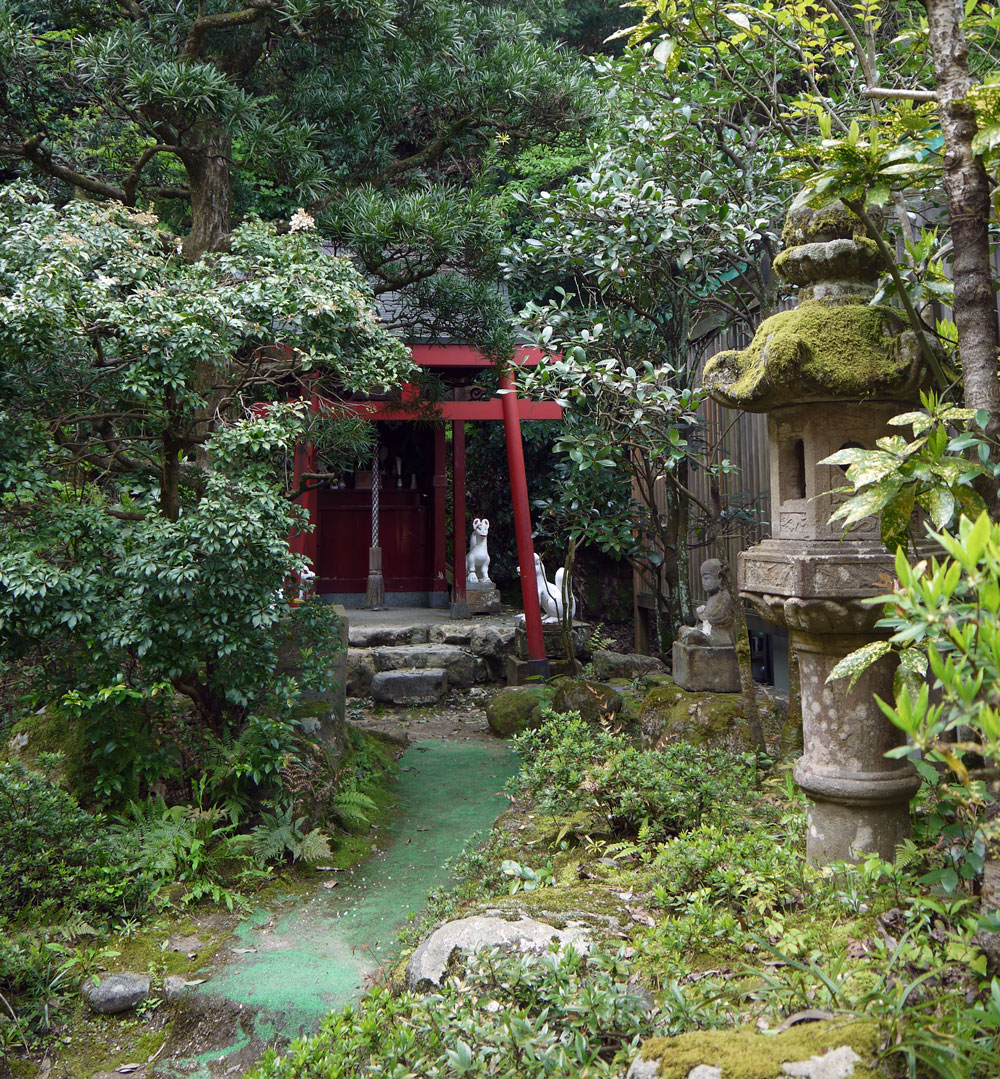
(352, 809)
(315, 847)
(908, 855)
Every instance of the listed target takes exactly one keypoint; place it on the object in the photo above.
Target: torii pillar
(522, 526)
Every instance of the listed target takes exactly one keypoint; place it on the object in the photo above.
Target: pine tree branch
(131, 181)
(225, 20)
(31, 150)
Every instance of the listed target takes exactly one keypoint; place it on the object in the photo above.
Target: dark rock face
(591, 699)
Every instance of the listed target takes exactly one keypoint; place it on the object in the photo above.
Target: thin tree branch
(901, 94)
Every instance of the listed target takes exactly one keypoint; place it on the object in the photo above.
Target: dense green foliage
(572, 765)
(725, 924)
(373, 116)
(549, 1015)
(145, 511)
(56, 860)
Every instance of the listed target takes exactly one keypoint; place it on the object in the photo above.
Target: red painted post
(304, 460)
(440, 482)
(522, 520)
(459, 604)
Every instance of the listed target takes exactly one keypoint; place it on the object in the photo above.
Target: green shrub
(557, 756)
(527, 1016)
(750, 871)
(57, 860)
(572, 765)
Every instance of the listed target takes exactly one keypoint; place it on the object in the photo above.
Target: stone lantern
(830, 373)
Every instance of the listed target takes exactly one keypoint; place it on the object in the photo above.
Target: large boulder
(517, 708)
(713, 720)
(592, 700)
(428, 964)
(493, 644)
(607, 665)
(835, 1049)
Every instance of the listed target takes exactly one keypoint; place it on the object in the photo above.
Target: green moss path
(288, 970)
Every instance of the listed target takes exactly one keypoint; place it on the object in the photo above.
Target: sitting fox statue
(477, 561)
(550, 594)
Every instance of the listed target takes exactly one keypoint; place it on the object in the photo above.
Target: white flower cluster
(301, 221)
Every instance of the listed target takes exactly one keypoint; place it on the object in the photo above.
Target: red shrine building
(411, 490)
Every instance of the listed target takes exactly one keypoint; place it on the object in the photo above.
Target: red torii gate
(323, 507)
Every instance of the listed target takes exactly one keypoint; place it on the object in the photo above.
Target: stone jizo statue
(477, 561)
(715, 615)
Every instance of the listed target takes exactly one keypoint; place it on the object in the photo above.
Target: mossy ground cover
(42, 1016)
(722, 923)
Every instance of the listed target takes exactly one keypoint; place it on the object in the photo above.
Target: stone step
(364, 664)
(410, 685)
(471, 652)
(475, 635)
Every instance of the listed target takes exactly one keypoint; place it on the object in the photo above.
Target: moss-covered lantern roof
(835, 344)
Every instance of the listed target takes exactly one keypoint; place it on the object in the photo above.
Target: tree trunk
(170, 476)
(207, 164)
(969, 209)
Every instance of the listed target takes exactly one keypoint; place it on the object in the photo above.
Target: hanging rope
(376, 483)
(375, 592)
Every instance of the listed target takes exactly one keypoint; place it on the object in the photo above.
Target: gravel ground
(459, 716)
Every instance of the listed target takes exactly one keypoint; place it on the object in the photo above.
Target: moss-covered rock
(746, 1054)
(48, 732)
(591, 699)
(517, 708)
(713, 720)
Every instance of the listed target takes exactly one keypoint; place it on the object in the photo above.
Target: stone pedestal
(705, 668)
(552, 633)
(483, 597)
(521, 672)
(859, 798)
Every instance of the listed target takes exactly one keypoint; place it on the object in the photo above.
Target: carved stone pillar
(830, 374)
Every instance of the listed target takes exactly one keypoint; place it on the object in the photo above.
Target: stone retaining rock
(517, 708)
(360, 672)
(116, 993)
(607, 665)
(410, 685)
(429, 962)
